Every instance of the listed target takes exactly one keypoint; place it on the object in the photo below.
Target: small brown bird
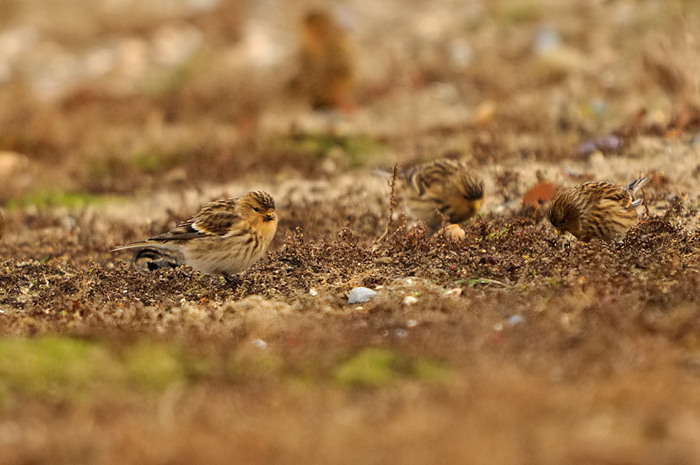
(224, 238)
(596, 209)
(325, 62)
(443, 188)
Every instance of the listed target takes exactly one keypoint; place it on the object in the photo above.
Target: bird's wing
(604, 191)
(215, 219)
(429, 178)
(617, 195)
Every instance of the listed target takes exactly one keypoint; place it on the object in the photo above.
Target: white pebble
(359, 295)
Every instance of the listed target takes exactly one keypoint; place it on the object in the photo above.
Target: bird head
(258, 206)
(465, 198)
(564, 216)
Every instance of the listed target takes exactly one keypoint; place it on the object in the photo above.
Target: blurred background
(119, 118)
(119, 96)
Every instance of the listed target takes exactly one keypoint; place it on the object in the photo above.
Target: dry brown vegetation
(120, 118)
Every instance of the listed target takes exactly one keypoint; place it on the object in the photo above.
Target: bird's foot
(232, 279)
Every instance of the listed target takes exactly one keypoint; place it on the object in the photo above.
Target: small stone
(454, 232)
(597, 161)
(259, 343)
(457, 291)
(516, 320)
(609, 143)
(547, 40)
(460, 53)
(485, 112)
(401, 333)
(409, 300)
(539, 194)
(360, 295)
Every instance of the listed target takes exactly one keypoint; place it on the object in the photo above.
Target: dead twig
(392, 203)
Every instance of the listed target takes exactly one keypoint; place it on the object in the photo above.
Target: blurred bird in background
(443, 189)
(326, 75)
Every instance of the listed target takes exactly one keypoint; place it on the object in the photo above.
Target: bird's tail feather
(154, 258)
(133, 245)
(636, 185)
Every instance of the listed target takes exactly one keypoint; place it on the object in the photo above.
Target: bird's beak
(269, 216)
(559, 232)
(477, 206)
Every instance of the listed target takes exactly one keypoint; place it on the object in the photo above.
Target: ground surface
(515, 346)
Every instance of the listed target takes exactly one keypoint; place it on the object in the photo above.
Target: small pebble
(516, 320)
(566, 321)
(360, 294)
(457, 291)
(539, 194)
(409, 300)
(259, 343)
(411, 323)
(454, 232)
(605, 143)
(401, 333)
(546, 40)
(460, 53)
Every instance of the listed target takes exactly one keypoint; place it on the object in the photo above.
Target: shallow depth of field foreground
(511, 345)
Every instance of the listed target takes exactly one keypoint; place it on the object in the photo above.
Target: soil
(511, 345)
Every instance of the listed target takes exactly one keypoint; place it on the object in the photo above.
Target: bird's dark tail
(155, 259)
(636, 185)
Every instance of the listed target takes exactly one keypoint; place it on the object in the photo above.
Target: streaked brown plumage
(224, 238)
(596, 209)
(326, 67)
(442, 189)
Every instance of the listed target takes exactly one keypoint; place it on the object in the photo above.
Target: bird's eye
(257, 209)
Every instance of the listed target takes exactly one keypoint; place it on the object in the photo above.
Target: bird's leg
(231, 279)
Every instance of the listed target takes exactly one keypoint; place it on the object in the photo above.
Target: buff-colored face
(259, 209)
